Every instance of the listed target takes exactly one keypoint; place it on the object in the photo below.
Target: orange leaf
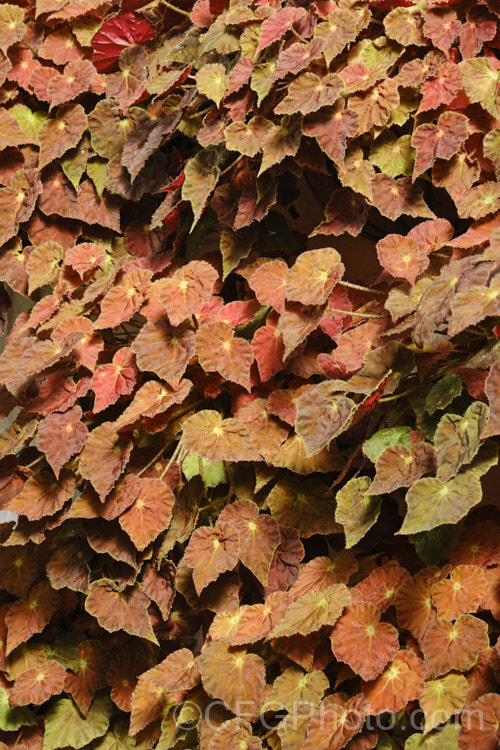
(90, 676)
(178, 672)
(382, 585)
(211, 552)
(322, 572)
(455, 645)
(414, 602)
(63, 132)
(28, 616)
(219, 350)
(233, 676)
(217, 439)
(60, 436)
(259, 536)
(401, 681)
(266, 431)
(68, 566)
(104, 457)
(311, 611)
(42, 495)
(268, 283)
(176, 346)
(150, 513)
(120, 610)
(188, 289)
(480, 724)
(123, 675)
(363, 642)
(38, 685)
(461, 593)
(313, 276)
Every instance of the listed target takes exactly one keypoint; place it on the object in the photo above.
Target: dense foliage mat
(248, 486)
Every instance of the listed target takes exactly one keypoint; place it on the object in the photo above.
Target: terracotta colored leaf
(60, 46)
(363, 642)
(312, 277)
(432, 502)
(402, 257)
(345, 212)
(66, 727)
(461, 593)
(60, 436)
(339, 29)
(479, 544)
(202, 174)
(122, 676)
(42, 495)
(151, 399)
(219, 350)
(439, 141)
(307, 506)
(356, 510)
(336, 722)
(381, 587)
(332, 128)
(68, 566)
(480, 723)
(150, 513)
(235, 733)
(308, 93)
(38, 685)
(210, 552)
(120, 610)
(310, 612)
(158, 585)
(189, 288)
(179, 671)
(414, 603)
(287, 558)
(442, 699)
(268, 283)
(18, 569)
(114, 380)
(233, 676)
(266, 431)
(456, 645)
(247, 138)
(402, 681)
(217, 439)
(116, 34)
(92, 662)
(124, 299)
(322, 414)
(99, 209)
(292, 455)
(29, 616)
(104, 457)
(129, 81)
(259, 536)
(11, 25)
(322, 572)
(251, 622)
(149, 702)
(297, 322)
(277, 24)
(281, 141)
(396, 197)
(293, 687)
(73, 81)
(268, 349)
(399, 466)
(61, 133)
(175, 345)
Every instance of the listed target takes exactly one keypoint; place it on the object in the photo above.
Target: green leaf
(431, 545)
(432, 503)
(445, 738)
(385, 438)
(66, 727)
(30, 122)
(13, 718)
(457, 439)
(443, 393)
(201, 173)
(97, 170)
(213, 473)
(356, 511)
(117, 739)
(64, 650)
(394, 156)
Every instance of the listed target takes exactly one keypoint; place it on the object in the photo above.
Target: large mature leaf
(233, 676)
(64, 725)
(211, 551)
(120, 610)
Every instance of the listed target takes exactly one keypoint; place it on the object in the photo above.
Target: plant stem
(354, 314)
(300, 38)
(176, 9)
(173, 458)
(234, 163)
(395, 396)
(361, 288)
(153, 460)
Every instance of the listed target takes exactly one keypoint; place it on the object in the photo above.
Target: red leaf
(114, 380)
(38, 685)
(277, 25)
(60, 436)
(28, 616)
(118, 33)
(268, 349)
